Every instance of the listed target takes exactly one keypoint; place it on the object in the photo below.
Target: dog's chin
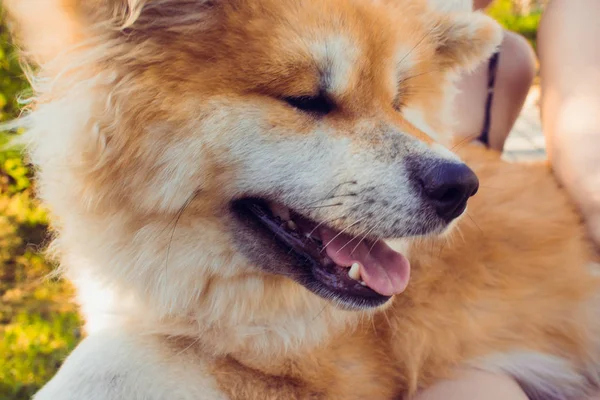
(353, 272)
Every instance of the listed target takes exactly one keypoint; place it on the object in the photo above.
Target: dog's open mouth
(354, 270)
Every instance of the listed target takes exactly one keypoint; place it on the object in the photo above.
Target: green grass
(39, 324)
(526, 25)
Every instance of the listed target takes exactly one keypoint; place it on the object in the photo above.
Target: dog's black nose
(448, 186)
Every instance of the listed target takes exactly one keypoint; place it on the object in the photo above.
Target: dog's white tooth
(292, 225)
(362, 283)
(280, 211)
(354, 272)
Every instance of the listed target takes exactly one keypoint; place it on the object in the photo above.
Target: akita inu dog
(252, 198)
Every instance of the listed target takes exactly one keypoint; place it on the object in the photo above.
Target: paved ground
(526, 141)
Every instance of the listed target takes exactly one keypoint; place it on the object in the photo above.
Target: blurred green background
(39, 324)
(522, 16)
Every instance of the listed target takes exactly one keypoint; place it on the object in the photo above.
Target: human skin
(515, 74)
(571, 100)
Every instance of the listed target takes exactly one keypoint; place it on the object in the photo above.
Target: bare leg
(570, 61)
(516, 70)
(475, 385)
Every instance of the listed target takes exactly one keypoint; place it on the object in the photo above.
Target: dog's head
(191, 145)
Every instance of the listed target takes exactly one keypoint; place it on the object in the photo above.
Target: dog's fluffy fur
(150, 116)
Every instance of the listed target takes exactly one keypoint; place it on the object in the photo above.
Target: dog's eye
(319, 104)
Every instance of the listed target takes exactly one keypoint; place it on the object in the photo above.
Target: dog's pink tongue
(382, 269)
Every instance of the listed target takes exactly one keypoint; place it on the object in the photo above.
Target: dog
(256, 199)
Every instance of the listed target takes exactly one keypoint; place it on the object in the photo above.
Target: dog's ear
(45, 28)
(465, 39)
(42, 28)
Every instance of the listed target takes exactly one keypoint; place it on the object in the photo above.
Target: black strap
(492, 72)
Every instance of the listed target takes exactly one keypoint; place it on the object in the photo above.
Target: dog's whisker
(387, 318)
(329, 195)
(347, 243)
(332, 191)
(464, 141)
(416, 46)
(407, 79)
(320, 224)
(490, 187)
(364, 237)
(342, 232)
(475, 223)
(324, 199)
(176, 222)
(318, 207)
(194, 342)
(458, 231)
(373, 324)
(361, 203)
(319, 314)
(376, 239)
(373, 245)
(177, 214)
(442, 245)
(351, 194)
